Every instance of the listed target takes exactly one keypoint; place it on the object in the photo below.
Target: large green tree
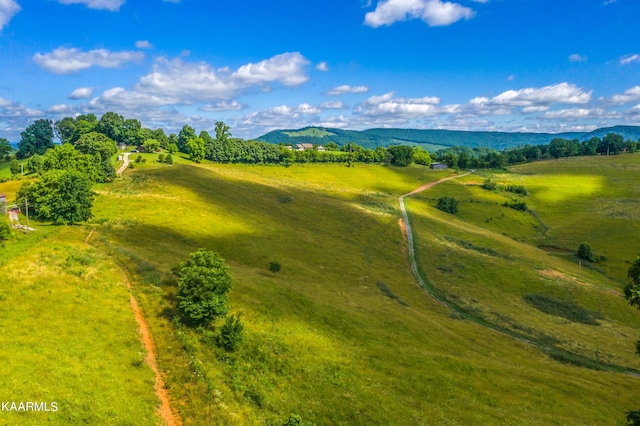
(63, 197)
(196, 149)
(186, 133)
(402, 155)
(5, 147)
(36, 139)
(203, 283)
(66, 157)
(66, 130)
(632, 294)
(111, 125)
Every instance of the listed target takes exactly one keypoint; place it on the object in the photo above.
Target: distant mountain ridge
(434, 139)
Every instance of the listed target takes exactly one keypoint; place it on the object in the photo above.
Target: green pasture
(343, 334)
(68, 334)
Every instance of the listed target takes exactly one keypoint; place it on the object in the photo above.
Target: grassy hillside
(68, 334)
(343, 335)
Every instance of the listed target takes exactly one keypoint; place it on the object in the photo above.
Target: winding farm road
(124, 166)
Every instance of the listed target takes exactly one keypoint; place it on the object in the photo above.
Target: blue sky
(259, 65)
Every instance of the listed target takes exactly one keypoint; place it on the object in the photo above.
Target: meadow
(343, 334)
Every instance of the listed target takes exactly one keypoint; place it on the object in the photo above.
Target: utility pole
(26, 204)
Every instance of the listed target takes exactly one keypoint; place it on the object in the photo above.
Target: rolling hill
(434, 139)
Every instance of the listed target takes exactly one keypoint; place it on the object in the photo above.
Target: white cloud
(387, 105)
(112, 5)
(433, 12)
(333, 105)
(15, 117)
(8, 9)
(576, 57)
(223, 106)
(629, 95)
(341, 90)
(144, 44)
(65, 61)
(281, 117)
(628, 59)
(81, 93)
(61, 109)
(579, 114)
(287, 68)
(322, 66)
(531, 99)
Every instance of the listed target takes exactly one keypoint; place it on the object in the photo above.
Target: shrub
(633, 418)
(168, 159)
(5, 229)
(585, 252)
(516, 205)
(448, 205)
(517, 189)
(296, 420)
(274, 267)
(14, 167)
(160, 158)
(139, 159)
(231, 333)
(489, 185)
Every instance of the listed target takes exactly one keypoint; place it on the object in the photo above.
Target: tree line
(479, 158)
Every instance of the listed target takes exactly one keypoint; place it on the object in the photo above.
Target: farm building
(303, 146)
(439, 166)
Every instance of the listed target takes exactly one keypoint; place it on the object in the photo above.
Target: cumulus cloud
(433, 12)
(65, 61)
(81, 93)
(629, 59)
(322, 66)
(8, 9)
(111, 5)
(15, 117)
(61, 109)
(341, 90)
(387, 105)
(576, 57)
(629, 95)
(579, 114)
(332, 105)
(282, 116)
(530, 99)
(223, 106)
(144, 44)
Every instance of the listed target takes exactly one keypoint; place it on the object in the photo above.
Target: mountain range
(434, 139)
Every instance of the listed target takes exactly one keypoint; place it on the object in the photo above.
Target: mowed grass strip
(322, 340)
(68, 336)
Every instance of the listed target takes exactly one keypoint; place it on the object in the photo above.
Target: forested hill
(434, 139)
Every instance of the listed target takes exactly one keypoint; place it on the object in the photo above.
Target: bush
(5, 229)
(168, 159)
(160, 158)
(516, 205)
(585, 252)
(296, 420)
(448, 205)
(517, 189)
(14, 167)
(633, 418)
(231, 333)
(274, 267)
(489, 185)
(139, 159)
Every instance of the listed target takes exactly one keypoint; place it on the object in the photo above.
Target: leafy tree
(421, 156)
(448, 205)
(5, 147)
(402, 155)
(203, 283)
(112, 126)
(131, 132)
(63, 197)
(585, 252)
(66, 157)
(151, 145)
(34, 163)
(66, 130)
(95, 143)
(222, 132)
(187, 133)
(196, 149)
(85, 124)
(231, 333)
(14, 167)
(161, 137)
(160, 158)
(36, 139)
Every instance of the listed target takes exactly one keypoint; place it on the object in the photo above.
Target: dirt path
(169, 418)
(164, 411)
(125, 164)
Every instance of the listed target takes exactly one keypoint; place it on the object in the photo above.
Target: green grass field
(343, 334)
